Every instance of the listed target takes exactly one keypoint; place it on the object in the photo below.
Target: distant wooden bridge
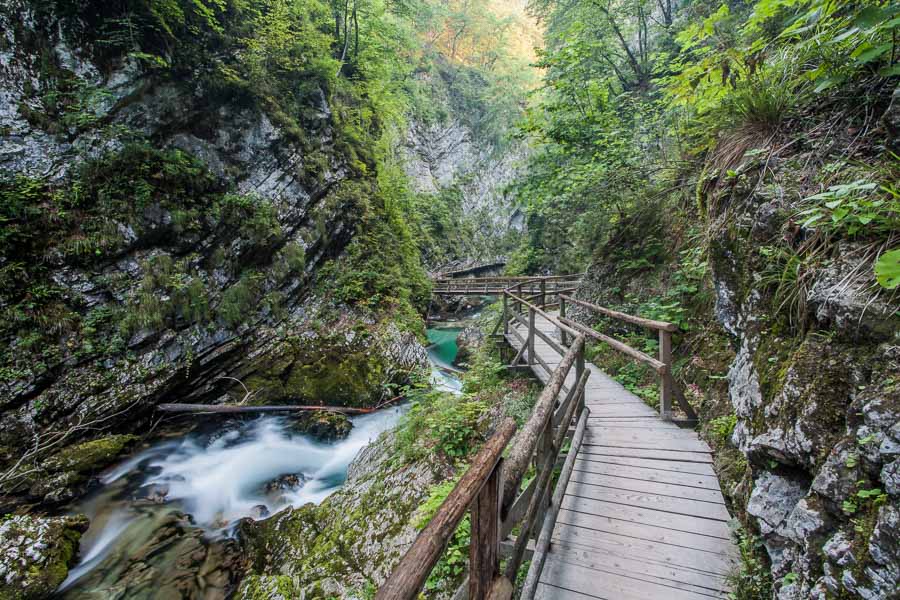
(495, 286)
(607, 498)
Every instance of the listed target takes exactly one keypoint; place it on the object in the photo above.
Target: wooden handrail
(410, 574)
(520, 454)
(668, 389)
(492, 487)
(545, 315)
(622, 347)
(658, 325)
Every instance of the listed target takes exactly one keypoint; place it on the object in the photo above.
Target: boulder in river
(323, 425)
(36, 553)
(467, 342)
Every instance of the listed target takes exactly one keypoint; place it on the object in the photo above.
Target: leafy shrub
(449, 570)
(852, 209)
(753, 579)
(722, 427)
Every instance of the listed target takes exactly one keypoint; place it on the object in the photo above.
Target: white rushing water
(217, 478)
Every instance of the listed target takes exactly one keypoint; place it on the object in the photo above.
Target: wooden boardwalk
(643, 517)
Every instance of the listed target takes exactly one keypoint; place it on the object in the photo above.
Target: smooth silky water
(201, 484)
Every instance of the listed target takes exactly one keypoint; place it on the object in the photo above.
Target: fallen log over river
(232, 409)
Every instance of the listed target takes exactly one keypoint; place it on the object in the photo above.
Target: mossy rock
(267, 587)
(91, 456)
(61, 476)
(323, 425)
(36, 554)
(340, 366)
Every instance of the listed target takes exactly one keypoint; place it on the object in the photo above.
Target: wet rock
(67, 473)
(177, 561)
(36, 553)
(349, 541)
(323, 425)
(260, 511)
(467, 343)
(290, 481)
(155, 493)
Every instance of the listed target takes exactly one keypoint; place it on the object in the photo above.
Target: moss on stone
(323, 425)
(36, 554)
(90, 456)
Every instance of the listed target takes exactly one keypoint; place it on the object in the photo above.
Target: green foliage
(852, 209)
(441, 422)
(887, 269)
(169, 292)
(451, 567)
(757, 63)
(753, 579)
(240, 298)
(722, 427)
(864, 498)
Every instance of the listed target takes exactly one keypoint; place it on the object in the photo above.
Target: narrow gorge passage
(263, 203)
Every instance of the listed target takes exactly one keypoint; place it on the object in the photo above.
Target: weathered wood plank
(551, 592)
(647, 533)
(640, 473)
(650, 441)
(605, 584)
(645, 516)
(640, 567)
(674, 504)
(638, 434)
(617, 482)
(648, 453)
(713, 563)
(693, 468)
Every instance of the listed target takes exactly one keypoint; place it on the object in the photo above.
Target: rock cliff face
(817, 405)
(446, 155)
(184, 233)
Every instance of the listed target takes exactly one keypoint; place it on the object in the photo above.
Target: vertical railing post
(544, 451)
(484, 549)
(505, 315)
(530, 335)
(579, 362)
(543, 293)
(562, 315)
(665, 378)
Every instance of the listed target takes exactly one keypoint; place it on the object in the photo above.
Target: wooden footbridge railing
(495, 286)
(495, 489)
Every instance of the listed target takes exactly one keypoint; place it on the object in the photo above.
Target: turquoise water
(442, 354)
(443, 347)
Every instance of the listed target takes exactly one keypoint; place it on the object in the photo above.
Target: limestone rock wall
(251, 274)
(815, 386)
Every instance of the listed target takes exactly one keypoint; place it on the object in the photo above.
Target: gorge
(248, 202)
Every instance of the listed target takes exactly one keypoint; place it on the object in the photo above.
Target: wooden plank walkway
(643, 516)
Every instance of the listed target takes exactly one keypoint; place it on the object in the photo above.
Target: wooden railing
(493, 489)
(668, 389)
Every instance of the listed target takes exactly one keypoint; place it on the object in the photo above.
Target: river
(184, 496)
